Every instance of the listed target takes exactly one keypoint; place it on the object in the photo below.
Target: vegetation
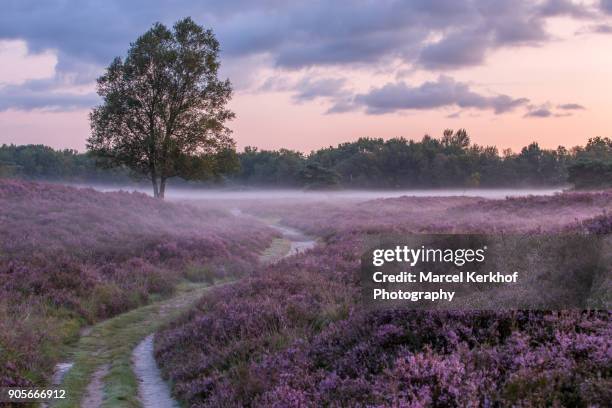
(287, 333)
(72, 257)
(451, 161)
(38, 162)
(164, 110)
(593, 165)
(110, 344)
(294, 333)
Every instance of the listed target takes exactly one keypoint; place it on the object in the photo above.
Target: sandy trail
(153, 391)
(60, 371)
(95, 390)
(299, 242)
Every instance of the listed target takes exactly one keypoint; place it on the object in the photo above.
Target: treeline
(449, 161)
(39, 162)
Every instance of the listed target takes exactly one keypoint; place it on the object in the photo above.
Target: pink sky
(574, 67)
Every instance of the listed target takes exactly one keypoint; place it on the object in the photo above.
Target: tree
(316, 176)
(164, 109)
(592, 167)
(455, 142)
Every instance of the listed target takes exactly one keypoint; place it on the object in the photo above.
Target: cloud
(606, 6)
(461, 49)
(552, 8)
(444, 92)
(19, 65)
(454, 115)
(546, 111)
(308, 88)
(290, 35)
(570, 106)
(600, 29)
(539, 112)
(43, 95)
(295, 33)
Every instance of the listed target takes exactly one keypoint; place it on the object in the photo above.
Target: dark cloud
(546, 110)
(295, 33)
(460, 49)
(595, 29)
(309, 88)
(553, 8)
(606, 6)
(444, 92)
(290, 34)
(601, 29)
(454, 115)
(500, 24)
(41, 95)
(541, 112)
(342, 105)
(570, 106)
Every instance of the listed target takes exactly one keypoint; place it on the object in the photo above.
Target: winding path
(153, 391)
(111, 352)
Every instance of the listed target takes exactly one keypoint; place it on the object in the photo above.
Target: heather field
(87, 276)
(72, 257)
(293, 334)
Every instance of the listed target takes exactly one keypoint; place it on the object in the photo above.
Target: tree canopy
(164, 109)
(449, 161)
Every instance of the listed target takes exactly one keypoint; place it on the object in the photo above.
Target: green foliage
(39, 162)
(591, 174)
(451, 161)
(164, 110)
(316, 176)
(200, 273)
(264, 167)
(593, 165)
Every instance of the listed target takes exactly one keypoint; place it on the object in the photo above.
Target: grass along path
(153, 391)
(103, 370)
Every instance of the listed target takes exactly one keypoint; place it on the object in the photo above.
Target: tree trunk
(155, 187)
(162, 188)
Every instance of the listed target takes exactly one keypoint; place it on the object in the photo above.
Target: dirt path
(102, 374)
(113, 363)
(152, 389)
(299, 242)
(94, 395)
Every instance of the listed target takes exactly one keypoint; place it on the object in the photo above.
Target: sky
(311, 74)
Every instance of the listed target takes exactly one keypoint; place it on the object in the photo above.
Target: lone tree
(164, 109)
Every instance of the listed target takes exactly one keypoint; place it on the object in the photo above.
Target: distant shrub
(200, 273)
(599, 225)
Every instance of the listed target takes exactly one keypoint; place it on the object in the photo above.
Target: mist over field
(323, 195)
(254, 299)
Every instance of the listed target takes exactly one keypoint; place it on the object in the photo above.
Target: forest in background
(373, 163)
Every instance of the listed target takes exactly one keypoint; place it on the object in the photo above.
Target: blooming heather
(294, 334)
(74, 256)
